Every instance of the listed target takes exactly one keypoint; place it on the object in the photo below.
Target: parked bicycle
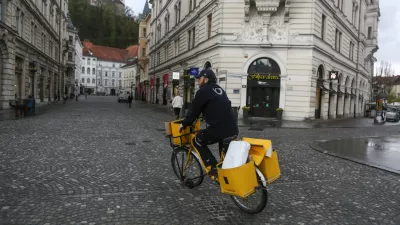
(245, 184)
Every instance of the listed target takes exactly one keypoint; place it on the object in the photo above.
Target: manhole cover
(146, 141)
(130, 143)
(256, 129)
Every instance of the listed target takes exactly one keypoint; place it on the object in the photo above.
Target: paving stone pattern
(99, 162)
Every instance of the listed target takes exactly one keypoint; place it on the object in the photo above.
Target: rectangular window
(144, 32)
(323, 25)
(338, 40)
(369, 32)
(51, 49)
(69, 56)
(94, 71)
(70, 39)
(158, 57)
(44, 8)
(143, 52)
(189, 39)
(120, 74)
(1, 9)
(113, 74)
(177, 46)
(106, 73)
(193, 37)
(166, 54)
(351, 51)
(18, 20)
(209, 25)
(57, 54)
(32, 34)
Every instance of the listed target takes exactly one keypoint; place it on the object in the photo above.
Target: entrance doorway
(112, 92)
(263, 88)
(263, 101)
(319, 96)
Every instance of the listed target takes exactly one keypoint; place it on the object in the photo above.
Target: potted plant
(246, 110)
(279, 112)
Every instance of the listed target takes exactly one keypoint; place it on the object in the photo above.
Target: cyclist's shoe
(213, 173)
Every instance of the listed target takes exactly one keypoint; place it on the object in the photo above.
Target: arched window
(264, 66)
(320, 73)
(83, 69)
(113, 83)
(83, 80)
(88, 70)
(88, 81)
(93, 81)
(94, 71)
(207, 65)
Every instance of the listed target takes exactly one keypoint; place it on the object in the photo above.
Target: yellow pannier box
(172, 129)
(239, 181)
(265, 157)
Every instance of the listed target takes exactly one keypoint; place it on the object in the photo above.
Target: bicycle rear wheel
(187, 167)
(257, 201)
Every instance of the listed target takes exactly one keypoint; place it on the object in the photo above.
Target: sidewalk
(334, 123)
(41, 108)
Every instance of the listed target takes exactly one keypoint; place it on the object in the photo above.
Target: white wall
(108, 72)
(88, 63)
(78, 59)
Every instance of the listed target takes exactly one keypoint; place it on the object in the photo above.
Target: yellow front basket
(180, 139)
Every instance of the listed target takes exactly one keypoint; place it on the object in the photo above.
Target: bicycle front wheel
(257, 201)
(187, 167)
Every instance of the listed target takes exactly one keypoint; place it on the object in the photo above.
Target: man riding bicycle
(212, 102)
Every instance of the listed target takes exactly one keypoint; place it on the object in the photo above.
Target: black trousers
(177, 111)
(200, 142)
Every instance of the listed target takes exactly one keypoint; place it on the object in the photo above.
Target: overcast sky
(136, 5)
(389, 27)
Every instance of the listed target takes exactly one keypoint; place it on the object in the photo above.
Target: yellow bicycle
(246, 184)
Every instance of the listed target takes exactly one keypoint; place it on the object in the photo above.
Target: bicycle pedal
(189, 183)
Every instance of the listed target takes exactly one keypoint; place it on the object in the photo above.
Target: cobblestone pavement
(99, 162)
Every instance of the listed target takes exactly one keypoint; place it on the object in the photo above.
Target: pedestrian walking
(76, 92)
(177, 104)
(130, 98)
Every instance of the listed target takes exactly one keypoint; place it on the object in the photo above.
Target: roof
(70, 25)
(103, 52)
(132, 51)
(146, 10)
(130, 64)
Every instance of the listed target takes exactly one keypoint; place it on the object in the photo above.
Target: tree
(384, 79)
(103, 24)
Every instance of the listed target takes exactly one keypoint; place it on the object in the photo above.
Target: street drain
(146, 141)
(130, 143)
(160, 129)
(256, 129)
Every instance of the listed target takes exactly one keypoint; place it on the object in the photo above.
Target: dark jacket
(130, 98)
(212, 101)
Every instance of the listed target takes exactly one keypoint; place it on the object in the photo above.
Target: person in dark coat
(130, 98)
(212, 102)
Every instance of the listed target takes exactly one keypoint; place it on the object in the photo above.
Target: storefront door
(263, 101)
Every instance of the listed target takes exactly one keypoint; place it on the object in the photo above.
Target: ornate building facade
(32, 48)
(312, 59)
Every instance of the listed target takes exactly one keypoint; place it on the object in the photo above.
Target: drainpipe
(358, 53)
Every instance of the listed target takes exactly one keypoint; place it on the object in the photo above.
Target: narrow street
(97, 161)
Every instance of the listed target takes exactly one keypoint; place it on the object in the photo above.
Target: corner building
(270, 54)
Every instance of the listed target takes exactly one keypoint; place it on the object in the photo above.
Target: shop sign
(333, 75)
(264, 80)
(175, 75)
(263, 77)
(193, 71)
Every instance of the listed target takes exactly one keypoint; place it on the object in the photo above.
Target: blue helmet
(208, 73)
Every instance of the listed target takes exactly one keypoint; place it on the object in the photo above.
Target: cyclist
(212, 102)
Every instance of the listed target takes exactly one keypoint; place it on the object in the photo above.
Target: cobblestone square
(97, 161)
